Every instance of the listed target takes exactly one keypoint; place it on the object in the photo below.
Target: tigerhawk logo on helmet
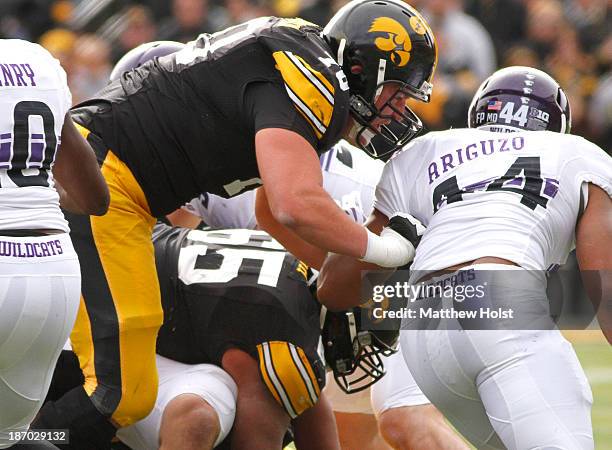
(397, 42)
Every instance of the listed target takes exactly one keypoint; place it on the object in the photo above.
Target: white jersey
(219, 212)
(34, 98)
(515, 196)
(349, 177)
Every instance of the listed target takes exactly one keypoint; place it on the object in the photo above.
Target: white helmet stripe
(380, 77)
(341, 52)
(563, 122)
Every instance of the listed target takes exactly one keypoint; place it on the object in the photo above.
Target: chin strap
(353, 132)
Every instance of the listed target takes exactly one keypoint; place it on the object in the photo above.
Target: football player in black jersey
(238, 300)
(253, 104)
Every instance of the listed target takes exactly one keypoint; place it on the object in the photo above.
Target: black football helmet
(377, 42)
(353, 354)
(143, 53)
(520, 98)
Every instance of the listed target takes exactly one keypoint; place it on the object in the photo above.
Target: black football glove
(407, 226)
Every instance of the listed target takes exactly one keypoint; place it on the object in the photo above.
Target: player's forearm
(598, 286)
(317, 219)
(304, 251)
(597, 281)
(339, 282)
(310, 254)
(67, 202)
(76, 170)
(593, 238)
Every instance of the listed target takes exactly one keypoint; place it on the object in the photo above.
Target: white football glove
(396, 244)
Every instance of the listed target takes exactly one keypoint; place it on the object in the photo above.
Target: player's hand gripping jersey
(515, 196)
(185, 123)
(349, 177)
(34, 100)
(240, 288)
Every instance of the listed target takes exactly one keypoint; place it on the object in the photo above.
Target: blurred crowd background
(570, 39)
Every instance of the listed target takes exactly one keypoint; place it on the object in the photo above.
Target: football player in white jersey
(502, 202)
(40, 148)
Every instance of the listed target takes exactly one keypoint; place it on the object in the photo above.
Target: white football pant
(40, 287)
(515, 389)
(209, 382)
(397, 388)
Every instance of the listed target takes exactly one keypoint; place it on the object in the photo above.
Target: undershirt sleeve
(267, 105)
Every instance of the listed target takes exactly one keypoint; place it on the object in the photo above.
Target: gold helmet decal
(418, 25)
(397, 41)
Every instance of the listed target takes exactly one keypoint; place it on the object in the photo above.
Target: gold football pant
(120, 310)
(289, 376)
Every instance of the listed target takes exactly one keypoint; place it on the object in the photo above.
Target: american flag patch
(494, 105)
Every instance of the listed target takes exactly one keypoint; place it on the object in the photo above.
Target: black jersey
(186, 123)
(230, 288)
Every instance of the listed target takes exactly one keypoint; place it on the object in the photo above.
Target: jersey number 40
(26, 158)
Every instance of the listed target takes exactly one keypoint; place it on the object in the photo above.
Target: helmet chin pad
(395, 127)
